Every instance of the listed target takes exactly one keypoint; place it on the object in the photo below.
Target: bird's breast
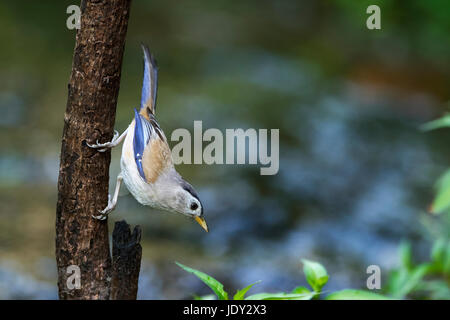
(141, 190)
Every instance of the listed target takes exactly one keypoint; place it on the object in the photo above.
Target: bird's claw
(104, 213)
(116, 135)
(102, 147)
(100, 217)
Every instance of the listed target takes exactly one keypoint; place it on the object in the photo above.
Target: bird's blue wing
(150, 81)
(144, 131)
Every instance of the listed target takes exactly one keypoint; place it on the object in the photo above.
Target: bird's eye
(194, 206)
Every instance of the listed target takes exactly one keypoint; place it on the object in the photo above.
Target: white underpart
(149, 194)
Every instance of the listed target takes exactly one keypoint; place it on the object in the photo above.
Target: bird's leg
(111, 203)
(102, 147)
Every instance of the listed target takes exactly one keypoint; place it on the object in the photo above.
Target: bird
(146, 163)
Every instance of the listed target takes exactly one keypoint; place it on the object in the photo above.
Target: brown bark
(83, 174)
(127, 253)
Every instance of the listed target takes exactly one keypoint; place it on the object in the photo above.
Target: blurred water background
(356, 173)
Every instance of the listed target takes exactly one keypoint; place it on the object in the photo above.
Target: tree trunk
(127, 253)
(84, 172)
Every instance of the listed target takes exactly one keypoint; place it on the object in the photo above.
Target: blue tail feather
(150, 81)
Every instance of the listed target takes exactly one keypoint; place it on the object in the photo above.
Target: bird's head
(188, 203)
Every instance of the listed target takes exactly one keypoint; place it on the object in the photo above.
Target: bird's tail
(149, 83)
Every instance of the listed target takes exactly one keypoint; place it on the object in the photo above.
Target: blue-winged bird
(146, 163)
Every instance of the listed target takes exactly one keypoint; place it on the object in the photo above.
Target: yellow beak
(202, 222)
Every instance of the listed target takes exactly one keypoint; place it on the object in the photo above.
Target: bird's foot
(105, 212)
(102, 147)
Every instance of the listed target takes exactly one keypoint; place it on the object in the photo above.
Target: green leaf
(437, 289)
(350, 294)
(440, 256)
(281, 296)
(315, 273)
(241, 293)
(206, 297)
(305, 291)
(447, 260)
(438, 251)
(438, 123)
(406, 255)
(402, 281)
(301, 289)
(442, 200)
(215, 285)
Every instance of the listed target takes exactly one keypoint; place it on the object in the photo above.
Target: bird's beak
(202, 222)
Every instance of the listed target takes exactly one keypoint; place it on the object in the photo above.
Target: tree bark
(127, 253)
(84, 172)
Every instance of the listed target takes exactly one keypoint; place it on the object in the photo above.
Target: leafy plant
(316, 276)
(422, 281)
(441, 201)
(315, 273)
(407, 277)
(426, 280)
(430, 279)
(351, 294)
(443, 122)
(215, 285)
